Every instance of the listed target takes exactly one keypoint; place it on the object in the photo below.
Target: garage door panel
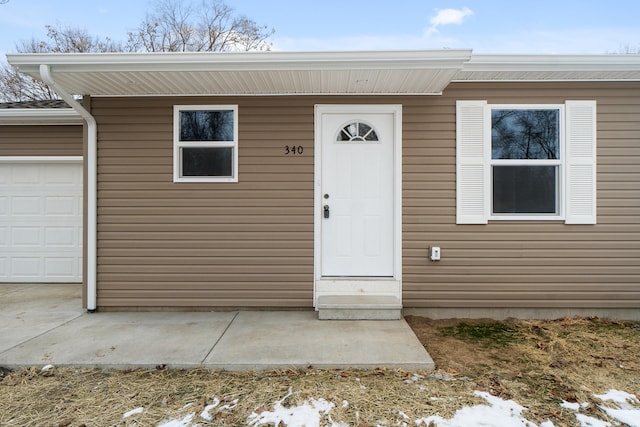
(41, 222)
(59, 206)
(30, 175)
(26, 267)
(26, 237)
(60, 237)
(26, 205)
(61, 175)
(60, 267)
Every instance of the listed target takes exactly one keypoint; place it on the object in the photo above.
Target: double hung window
(526, 162)
(205, 143)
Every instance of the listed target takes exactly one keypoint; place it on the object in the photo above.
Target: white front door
(356, 194)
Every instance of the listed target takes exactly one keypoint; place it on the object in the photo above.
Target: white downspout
(91, 164)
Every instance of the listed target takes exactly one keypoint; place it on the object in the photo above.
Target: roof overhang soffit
(249, 73)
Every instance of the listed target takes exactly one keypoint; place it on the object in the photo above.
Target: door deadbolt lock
(326, 211)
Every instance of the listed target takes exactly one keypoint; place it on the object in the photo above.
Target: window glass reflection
(525, 134)
(206, 125)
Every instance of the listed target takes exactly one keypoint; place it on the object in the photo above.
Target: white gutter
(242, 61)
(92, 138)
(39, 116)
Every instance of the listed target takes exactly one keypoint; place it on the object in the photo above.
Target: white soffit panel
(249, 73)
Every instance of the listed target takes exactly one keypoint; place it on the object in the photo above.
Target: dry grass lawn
(536, 363)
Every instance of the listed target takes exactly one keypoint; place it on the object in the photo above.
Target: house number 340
(293, 150)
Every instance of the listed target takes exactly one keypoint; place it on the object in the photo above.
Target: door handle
(326, 211)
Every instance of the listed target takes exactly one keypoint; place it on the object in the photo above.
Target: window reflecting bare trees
(525, 134)
(206, 125)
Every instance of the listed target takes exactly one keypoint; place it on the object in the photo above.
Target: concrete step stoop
(359, 307)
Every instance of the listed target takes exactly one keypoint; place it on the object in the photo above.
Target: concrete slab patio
(45, 324)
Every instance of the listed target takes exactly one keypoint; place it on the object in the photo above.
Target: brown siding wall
(250, 244)
(58, 140)
(245, 244)
(523, 264)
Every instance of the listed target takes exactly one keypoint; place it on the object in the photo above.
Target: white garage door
(41, 222)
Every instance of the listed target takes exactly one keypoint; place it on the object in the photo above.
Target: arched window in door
(357, 131)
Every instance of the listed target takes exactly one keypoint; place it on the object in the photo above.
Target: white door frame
(368, 285)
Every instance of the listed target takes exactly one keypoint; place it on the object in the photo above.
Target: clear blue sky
(486, 26)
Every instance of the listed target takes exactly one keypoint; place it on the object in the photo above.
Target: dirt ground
(538, 364)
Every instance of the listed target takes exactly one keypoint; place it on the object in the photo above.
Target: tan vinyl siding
(40, 140)
(250, 244)
(523, 264)
(245, 244)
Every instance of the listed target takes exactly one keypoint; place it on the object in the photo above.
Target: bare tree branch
(15, 86)
(186, 26)
(173, 26)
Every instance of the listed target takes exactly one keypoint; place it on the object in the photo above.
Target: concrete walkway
(45, 324)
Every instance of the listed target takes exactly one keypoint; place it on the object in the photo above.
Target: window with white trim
(205, 143)
(525, 162)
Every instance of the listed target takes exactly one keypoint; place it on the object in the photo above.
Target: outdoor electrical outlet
(435, 253)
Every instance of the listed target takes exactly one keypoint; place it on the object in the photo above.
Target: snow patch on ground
(184, 422)
(205, 412)
(133, 412)
(621, 406)
(574, 406)
(499, 413)
(309, 414)
(626, 409)
(587, 421)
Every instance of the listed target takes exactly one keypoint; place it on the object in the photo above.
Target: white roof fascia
(552, 62)
(556, 67)
(39, 116)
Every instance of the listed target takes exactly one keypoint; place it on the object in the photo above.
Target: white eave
(419, 72)
(249, 73)
(39, 116)
(492, 68)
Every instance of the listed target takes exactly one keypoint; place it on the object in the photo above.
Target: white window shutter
(580, 162)
(471, 162)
